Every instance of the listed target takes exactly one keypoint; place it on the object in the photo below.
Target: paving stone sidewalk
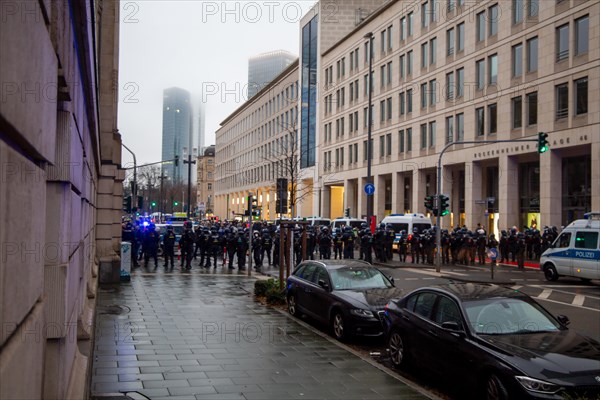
(201, 335)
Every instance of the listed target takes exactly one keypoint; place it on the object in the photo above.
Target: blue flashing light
(146, 223)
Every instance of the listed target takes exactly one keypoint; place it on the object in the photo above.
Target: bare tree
(285, 157)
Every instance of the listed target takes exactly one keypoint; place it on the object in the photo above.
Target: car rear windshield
(358, 278)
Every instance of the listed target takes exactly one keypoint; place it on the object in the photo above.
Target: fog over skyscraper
(177, 131)
(264, 67)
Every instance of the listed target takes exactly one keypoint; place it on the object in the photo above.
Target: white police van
(575, 252)
(406, 222)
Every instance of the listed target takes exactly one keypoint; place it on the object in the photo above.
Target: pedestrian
(186, 243)
(521, 248)
(241, 247)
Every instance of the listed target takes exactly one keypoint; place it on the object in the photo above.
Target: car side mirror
(391, 278)
(323, 284)
(563, 319)
(452, 327)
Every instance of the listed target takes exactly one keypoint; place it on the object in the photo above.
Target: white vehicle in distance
(406, 222)
(315, 221)
(575, 252)
(352, 222)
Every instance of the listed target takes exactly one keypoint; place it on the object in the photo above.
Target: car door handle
(432, 332)
(406, 318)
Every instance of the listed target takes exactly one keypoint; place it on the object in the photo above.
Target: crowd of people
(229, 243)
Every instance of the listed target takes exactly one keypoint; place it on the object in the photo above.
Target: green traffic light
(445, 212)
(543, 149)
(176, 203)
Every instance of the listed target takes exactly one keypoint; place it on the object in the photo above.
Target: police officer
(492, 243)
(241, 247)
(521, 248)
(325, 244)
(348, 240)
(338, 244)
(403, 246)
(445, 245)
(187, 245)
(230, 240)
(415, 246)
(169, 247)
(389, 242)
(257, 250)
(503, 246)
(366, 245)
(481, 244)
(151, 239)
(267, 245)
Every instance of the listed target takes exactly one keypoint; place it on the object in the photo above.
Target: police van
(575, 251)
(406, 222)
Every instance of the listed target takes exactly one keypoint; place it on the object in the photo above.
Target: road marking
(545, 294)
(568, 304)
(427, 278)
(578, 300)
(564, 291)
(411, 279)
(432, 273)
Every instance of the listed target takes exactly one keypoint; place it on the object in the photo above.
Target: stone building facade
(449, 71)
(60, 190)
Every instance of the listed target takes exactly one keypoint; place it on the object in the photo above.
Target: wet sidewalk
(201, 335)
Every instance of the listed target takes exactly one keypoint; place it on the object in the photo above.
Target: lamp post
(369, 128)
(189, 162)
(134, 184)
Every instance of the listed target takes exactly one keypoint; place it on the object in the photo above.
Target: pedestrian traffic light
(254, 209)
(127, 204)
(429, 202)
(444, 205)
(347, 213)
(542, 142)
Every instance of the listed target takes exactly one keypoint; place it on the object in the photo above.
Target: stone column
(397, 193)
(551, 189)
(379, 197)
(595, 176)
(418, 191)
(473, 181)
(508, 192)
(326, 201)
(361, 197)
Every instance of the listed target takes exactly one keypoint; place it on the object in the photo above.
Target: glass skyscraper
(309, 93)
(177, 131)
(264, 67)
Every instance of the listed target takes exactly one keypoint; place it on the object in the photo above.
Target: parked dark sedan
(347, 295)
(496, 341)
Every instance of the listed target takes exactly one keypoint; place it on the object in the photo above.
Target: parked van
(406, 222)
(352, 222)
(575, 252)
(315, 221)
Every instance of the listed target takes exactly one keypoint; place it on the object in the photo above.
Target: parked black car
(496, 341)
(347, 295)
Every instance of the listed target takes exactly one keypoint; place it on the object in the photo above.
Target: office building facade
(467, 73)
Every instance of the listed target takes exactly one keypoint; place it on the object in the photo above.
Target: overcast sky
(195, 45)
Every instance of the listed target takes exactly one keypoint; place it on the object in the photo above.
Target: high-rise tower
(177, 131)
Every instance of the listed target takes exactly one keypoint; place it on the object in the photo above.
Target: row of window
(524, 112)
(487, 23)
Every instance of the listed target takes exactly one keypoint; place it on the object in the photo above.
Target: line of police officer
(225, 241)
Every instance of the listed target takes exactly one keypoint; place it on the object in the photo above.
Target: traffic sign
(493, 253)
(369, 189)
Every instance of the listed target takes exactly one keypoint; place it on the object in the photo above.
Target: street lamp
(369, 128)
(189, 162)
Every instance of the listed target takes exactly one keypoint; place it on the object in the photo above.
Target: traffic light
(542, 142)
(429, 203)
(140, 202)
(254, 209)
(153, 204)
(176, 161)
(444, 205)
(175, 203)
(347, 213)
(127, 204)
